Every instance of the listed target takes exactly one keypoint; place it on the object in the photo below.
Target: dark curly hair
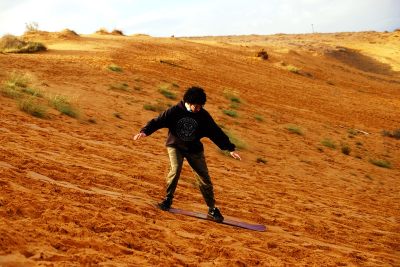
(195, 95)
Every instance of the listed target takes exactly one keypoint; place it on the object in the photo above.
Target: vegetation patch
(329, 143)
(115, 68)
(11, 44)
(62, 104)
(167, 93)
(32, 91)
(293, 69)
(230, 113)
(118, 115)
(381, 163)
(262, 54)
(10, 92)
(15, 85)
(32, 100)
(238, 142)
(346, 149)
(393, 134)
(120, 87)
(294, 129)
(154, 107)
(261, 160)
(117, 32)
(32, 107)
(259, 118)
(232, 96)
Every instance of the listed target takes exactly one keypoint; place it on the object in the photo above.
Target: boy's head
(195, 96)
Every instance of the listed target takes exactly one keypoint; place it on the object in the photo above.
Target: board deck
(227, 221)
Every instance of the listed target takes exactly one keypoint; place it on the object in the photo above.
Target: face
(195, 107)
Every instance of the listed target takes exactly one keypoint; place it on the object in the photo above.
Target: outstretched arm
(153, 125)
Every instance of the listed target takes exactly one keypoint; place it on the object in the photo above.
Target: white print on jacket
(185, 128)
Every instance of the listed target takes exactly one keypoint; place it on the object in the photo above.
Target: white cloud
(200, 17)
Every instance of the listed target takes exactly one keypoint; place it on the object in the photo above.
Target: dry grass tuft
(11, 44)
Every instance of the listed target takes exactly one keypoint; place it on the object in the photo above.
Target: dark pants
(198, 163)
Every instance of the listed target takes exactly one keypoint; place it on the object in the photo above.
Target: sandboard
(227, 221)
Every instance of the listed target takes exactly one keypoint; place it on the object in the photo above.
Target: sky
(200, 17)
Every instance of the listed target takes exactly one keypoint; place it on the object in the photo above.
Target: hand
(139, 135)
(235, 155)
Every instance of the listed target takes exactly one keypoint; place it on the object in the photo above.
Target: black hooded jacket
(187, 128)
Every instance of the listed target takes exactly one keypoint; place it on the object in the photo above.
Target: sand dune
(79, 191)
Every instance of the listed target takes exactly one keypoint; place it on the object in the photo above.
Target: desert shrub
(117, 32)
(9, 41)
(259, 118)
(16, 84)
(167, 93)
(32, 107)
(117, 115)
(154, 107)
(329, 143)
(32, 91)
(115, 68)
(120, 87)
(294, 129)
(238, 142)
(230, 113)
(346, 149)
(381, 163)
(393, 134)
(92, 120)
(262, 54)
(11, 44)
(102, 31)
(293, 69)
(31, 27)
(68, 33)
(232, 96)
(261, 160)
(10, 92)
(62, 104)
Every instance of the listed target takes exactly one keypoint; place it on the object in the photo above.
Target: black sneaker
(165, 204)
(215, 214)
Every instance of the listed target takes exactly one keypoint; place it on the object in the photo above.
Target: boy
(188, 122)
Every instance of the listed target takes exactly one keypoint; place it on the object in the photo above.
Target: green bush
(16, 84)
(294, 129)
(329, 143)
(240, 144)
(33, 108)
(10, 92)
(259, 118)
(115, 68)
(167, 93)
(157, 108)
(381, 163)
(230, 113)
(32, 91)
(293, 69)
(62, 104)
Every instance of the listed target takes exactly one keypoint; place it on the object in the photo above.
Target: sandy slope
(77, 193)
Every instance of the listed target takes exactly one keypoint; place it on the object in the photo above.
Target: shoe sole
(215, 220)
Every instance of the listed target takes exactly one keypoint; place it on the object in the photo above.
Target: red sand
(77, 193)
